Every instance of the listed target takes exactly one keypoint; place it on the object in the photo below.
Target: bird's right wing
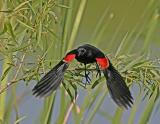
(53, 78)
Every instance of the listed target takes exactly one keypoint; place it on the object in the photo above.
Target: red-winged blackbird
(87, 54)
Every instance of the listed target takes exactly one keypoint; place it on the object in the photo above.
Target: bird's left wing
(115, 83)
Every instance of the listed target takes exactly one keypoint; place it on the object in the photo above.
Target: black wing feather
(51, 80)
(117, 87)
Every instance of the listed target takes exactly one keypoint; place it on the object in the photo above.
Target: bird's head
(81, 52)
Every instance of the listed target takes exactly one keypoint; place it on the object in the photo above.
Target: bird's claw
(98, 71)
(88, 79)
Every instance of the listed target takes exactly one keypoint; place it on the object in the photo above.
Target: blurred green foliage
(35, 35)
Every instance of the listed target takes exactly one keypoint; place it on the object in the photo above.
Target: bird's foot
(98, 71)
(87, 77)
(86, 80)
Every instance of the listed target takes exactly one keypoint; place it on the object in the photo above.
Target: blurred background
(35, 35)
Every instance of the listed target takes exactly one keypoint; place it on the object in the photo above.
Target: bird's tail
(117, 87)
(51, 80)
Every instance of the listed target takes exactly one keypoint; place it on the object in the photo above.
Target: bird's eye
(83, 50)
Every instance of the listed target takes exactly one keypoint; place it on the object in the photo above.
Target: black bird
(87, 54)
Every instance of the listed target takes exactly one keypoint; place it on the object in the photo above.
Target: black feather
(51, 80)
(117, 87)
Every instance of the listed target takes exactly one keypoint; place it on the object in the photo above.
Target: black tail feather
(117, 87)
(51, 80)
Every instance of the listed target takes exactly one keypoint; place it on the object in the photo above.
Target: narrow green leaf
(8, 110)
(39, 36)
(21, 5)
(3, 95)
(96, 107)
(121, 45)
(152, 27)
(63, 6)
(132, 63)
(25, 25)
(99, 27)
(96, 83)
(67, 26)
(4, 29)
(63, 106)
(49, 112)
(149, 108)
(118, 116)
(11, 31)
(76, 24)
(19, 120)
(5, 73)
(120, 24)
(134, 109)
(68, 91)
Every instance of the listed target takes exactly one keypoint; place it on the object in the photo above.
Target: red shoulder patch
(68, 58)
(103, 62)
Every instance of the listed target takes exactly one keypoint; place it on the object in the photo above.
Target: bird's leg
(88, 79)
(98, 70)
